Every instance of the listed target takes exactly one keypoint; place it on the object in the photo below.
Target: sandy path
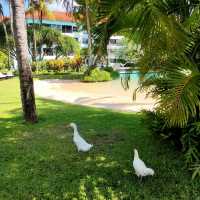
(109, 95)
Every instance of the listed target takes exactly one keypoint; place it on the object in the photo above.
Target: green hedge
(97, 75)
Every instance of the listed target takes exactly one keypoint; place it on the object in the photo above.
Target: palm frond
(181, 98)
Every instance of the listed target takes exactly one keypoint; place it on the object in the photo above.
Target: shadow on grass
(41, 162)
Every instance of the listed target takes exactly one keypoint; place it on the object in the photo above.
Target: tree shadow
(41, 162)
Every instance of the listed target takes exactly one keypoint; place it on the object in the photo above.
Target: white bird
(139, 166)
(80, 143)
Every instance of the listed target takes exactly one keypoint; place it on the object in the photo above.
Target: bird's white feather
(140, 168)
(80, 143)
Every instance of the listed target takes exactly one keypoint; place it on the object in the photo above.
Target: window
(46, 25)
(112, 60)
(85, 41)
(75, 28)
(48, 51)
(115, 60)
(115, 42)
(55, 26)
(114, 51)
(66, 29)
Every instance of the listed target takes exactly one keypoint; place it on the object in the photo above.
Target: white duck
(139, 166)
(80, 143)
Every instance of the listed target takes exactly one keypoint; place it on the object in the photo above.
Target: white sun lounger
(9, 75)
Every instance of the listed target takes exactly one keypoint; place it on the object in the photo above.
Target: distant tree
(130, 51)
(67, 45)
(2, 21)
(85, 13)
(39, 7)
(52, 38)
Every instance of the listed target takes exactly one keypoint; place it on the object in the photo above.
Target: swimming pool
(134, 75)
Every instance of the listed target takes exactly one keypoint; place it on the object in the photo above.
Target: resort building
(114, 48)
(66, 23)
(63, 22)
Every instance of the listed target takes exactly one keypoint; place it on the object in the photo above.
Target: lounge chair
(2, 75)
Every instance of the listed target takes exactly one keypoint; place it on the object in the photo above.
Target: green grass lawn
(41, 162)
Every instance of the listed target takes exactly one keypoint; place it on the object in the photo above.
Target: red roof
(4, 19)
(54, 16)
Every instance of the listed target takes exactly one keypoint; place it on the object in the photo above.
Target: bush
(3, 61)
(186, 139)
(58, 65)
(114, 74)
(108, 69)
(97, 75)
(75, 63)
(39, 65)
(55, 65)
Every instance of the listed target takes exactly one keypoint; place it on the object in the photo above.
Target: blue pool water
(134, 75)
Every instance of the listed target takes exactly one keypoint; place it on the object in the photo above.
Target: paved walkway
(109, 95)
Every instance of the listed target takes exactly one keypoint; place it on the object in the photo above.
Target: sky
(53, 6)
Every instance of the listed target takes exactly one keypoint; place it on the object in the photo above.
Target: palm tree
(5, 32)
(165, 31)
(32, 9)
(25, 74)
(169, 34)
(41, 7)
(85, 9)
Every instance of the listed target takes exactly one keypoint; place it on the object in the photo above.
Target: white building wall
(113, 48)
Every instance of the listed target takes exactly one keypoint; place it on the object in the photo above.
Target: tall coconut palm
(5, 32)
(25, 74)
(85, 9)
(32, 9)
(40, 7)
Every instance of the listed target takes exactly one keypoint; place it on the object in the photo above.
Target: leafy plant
(97, 75)
(168, 33)
(114, 74)
(3, 61)
(75, 63)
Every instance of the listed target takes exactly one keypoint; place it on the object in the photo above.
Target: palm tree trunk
(41, 21)
(41, 18)
(11, 17)
(89, 33)
(7, 44)
(34, 40)
(25, 74)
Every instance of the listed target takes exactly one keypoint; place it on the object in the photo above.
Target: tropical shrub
(3, 61)
(58, 65)
(39, 65)
(75, 63)
(168, 33)
(55, 65)
(108, 69)
(186, 139)
(114, 74)
(97, 75)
